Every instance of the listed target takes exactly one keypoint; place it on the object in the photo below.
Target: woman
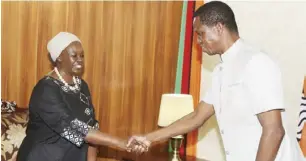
(62, 123)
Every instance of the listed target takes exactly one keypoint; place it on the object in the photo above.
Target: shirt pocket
(234, 89)
(236, 100)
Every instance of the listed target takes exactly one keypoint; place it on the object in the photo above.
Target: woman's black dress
(59, 121)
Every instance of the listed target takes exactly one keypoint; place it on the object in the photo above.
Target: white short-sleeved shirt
(247, 83)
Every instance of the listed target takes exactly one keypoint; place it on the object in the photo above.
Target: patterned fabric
(7, 106)
(65, 88)
(76, 132)
(56, 115)
(13, 125)
(301, 134)
(302, 118)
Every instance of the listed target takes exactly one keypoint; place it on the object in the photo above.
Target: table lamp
(172, 108)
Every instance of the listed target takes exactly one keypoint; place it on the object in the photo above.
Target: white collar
(231, 52)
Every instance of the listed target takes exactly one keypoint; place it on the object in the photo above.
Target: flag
(184, 55)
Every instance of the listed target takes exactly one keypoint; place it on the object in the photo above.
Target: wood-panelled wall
(130, 55)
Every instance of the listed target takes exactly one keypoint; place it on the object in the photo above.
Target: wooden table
(155, 154)
(148, 157)
(161, 157)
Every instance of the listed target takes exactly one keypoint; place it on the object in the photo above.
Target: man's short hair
(215, 12)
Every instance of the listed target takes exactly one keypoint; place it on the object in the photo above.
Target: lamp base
(176, 143)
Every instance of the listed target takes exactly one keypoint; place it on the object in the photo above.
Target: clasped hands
(138, 144)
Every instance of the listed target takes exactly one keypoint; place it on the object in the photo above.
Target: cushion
(13, 125)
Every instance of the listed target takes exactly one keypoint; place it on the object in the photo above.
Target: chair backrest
(13, 125)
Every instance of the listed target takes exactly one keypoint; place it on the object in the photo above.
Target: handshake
(138, 144)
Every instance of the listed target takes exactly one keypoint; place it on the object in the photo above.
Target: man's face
(207, 37)
(72, 59)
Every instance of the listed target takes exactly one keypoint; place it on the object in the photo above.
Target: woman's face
(72, 59)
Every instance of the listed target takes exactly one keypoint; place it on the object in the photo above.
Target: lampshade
(174, 107)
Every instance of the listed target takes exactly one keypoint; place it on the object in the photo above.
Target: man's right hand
(138, 144)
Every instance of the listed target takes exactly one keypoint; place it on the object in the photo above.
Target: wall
(279, 29)
(130, 55)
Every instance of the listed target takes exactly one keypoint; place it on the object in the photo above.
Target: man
(246, 95)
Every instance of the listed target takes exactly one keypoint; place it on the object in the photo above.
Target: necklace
(76, 82)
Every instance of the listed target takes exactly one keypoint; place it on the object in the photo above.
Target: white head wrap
(59, 42)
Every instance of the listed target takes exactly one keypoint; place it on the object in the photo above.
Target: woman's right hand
(138, 144)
